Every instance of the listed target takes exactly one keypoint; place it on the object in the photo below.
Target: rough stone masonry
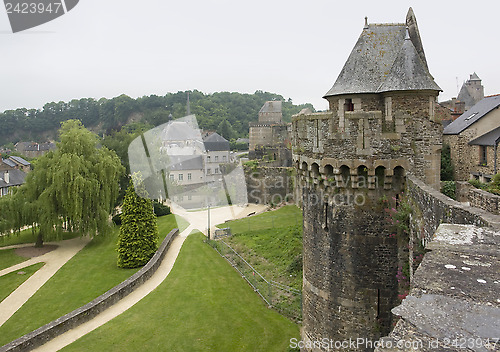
(352, 160)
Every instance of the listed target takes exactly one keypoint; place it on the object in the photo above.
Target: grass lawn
(272, 243)
(26, 236)
(90, 273)
(203, 305)
(11, 281)
(9, 258)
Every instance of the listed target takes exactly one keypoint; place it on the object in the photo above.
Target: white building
(217, 152)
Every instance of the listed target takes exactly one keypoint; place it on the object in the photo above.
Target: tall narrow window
(348, 105)
(483, 156)
(189, 176)
(181, 177)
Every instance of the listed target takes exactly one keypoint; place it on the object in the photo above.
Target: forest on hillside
(225, 112)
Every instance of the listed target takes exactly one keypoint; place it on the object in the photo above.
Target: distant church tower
(379, 127)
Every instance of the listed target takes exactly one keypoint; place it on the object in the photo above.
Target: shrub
(446, 165)
(448, 188)
(160, 209)
(138, 237)
(478, 184)
(117, 220)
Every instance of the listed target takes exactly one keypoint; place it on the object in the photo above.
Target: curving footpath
(53, 260)
(198, 221)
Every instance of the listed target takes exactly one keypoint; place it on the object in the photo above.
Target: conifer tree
(138, 238)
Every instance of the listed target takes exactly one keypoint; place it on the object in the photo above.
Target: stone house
(15, 163)
(186, 169)
(218, 152)
(473, 140)
(33, 149)
(9, 179)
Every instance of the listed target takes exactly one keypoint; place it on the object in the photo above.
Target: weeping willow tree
(72, 188)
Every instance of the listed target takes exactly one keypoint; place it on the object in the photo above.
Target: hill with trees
(225, 112)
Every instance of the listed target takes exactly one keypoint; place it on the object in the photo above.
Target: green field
(90, 273)
(272, 243)
(203, 305)
(8, 257)
(13, 280)
(27, 236)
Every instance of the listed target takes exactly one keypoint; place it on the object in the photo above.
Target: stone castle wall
(484, 200)
(270, 185)
(347, 163)
(431, 208)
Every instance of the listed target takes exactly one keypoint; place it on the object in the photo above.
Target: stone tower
(380, 126)
(270, 136)
(472, 91)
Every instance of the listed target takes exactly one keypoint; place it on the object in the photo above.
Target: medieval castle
(380, 132)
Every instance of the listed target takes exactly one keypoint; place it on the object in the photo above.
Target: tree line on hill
(228, 113)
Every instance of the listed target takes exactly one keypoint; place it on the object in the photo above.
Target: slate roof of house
(186, 162)
(385, 58)
(215, 142)
(487, 139)
(180, 131)
(271, 106)
(20, 160)
(474, 114)
(9, 163)
(16, 178)
(32, 146)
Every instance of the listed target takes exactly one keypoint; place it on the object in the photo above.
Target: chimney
(6, 177)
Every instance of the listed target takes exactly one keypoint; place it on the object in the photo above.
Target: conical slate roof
(408, 72)
(384, 60)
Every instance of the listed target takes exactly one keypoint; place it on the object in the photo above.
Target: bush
(448, 188)
(160, 209)
(478, 184)
(138, 237)
(117, 219)
(446, 165)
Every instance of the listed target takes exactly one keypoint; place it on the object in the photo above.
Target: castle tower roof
(474, 77)
(382, 60)
(408, 72)
(271, 106)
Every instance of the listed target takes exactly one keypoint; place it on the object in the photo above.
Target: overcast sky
(293, 48)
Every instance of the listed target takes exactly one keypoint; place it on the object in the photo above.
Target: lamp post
(208, 232)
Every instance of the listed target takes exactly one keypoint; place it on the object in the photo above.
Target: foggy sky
(293, 48)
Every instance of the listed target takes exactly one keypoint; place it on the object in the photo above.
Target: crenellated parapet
(403, 133)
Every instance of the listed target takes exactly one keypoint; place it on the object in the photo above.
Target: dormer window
(348, 105)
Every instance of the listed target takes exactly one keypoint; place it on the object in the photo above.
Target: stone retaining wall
(85, 313)
(433, 208)
(484, 200)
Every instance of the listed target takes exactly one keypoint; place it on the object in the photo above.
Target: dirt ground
(30, 252)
